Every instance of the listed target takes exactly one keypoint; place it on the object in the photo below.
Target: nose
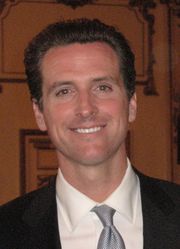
(86, 106)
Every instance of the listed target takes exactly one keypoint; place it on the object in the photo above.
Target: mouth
(89, 130)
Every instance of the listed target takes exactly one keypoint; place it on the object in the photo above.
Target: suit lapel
(41, 220)
(159, 216)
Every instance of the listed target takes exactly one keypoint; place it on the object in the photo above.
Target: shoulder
(22, 218)
(11, 213)
(20, 202)
(14, 210)
(164, 193)
(159, 183)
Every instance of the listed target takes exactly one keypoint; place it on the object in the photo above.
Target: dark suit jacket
(30, 222)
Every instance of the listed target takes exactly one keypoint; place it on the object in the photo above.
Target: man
(82, 81)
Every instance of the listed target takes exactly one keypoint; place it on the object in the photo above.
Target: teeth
(88, 130)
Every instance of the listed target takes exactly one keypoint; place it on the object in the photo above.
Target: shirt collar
(125, 198)
(74, 205)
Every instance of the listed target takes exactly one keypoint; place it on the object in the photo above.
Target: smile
(88, 130)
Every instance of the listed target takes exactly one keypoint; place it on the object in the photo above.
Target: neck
(97, 182)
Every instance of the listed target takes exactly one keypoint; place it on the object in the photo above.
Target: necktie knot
(105, 214)
(109, 237)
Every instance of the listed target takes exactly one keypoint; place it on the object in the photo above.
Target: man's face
(85, 106)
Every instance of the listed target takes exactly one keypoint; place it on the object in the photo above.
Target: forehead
(79, 59)
(78, 49)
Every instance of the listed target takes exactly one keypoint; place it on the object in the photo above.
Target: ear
(39, 116)
(132, 108)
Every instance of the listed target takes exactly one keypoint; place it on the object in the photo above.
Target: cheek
(58, 116)
(116, 108)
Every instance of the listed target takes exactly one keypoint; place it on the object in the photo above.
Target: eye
(63, 92)
(105, 88)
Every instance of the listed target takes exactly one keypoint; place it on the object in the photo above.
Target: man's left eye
(105, 88)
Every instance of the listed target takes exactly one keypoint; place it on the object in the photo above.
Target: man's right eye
(62, 92)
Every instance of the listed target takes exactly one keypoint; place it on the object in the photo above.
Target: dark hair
(76, 31)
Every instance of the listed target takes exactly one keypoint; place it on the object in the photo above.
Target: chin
(90, 160)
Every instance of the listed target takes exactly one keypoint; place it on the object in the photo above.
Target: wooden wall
(153, 28)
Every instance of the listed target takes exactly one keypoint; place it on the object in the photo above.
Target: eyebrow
(106, 78)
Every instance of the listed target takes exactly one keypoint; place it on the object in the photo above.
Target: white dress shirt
(80, 228)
